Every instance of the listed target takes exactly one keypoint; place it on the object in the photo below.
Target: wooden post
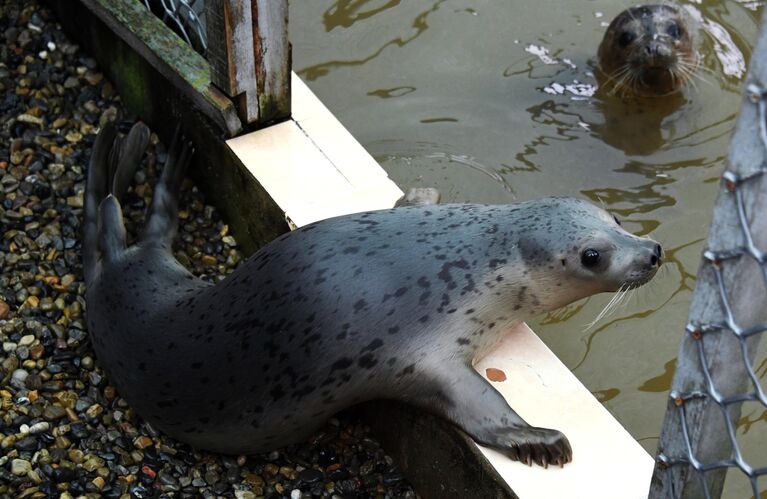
(249, 56)
(692, 400)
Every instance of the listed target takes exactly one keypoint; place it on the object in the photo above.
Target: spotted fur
(384, 304)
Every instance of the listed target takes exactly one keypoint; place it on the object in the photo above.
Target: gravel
(64, 430)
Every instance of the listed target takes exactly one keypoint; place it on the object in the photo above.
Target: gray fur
(385, 304)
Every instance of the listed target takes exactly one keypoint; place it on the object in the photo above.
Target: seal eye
(616, 220)
(590, 257)
(625, 38)
(674, 31)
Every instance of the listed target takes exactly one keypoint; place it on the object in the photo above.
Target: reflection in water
(661, 383)
(419, 24)
(641, 199)
(439, 120)
(347, 12)
(388, 93)
(745, 422)
(605, 395)
(554, 115)
(608, 325)
(634, 125)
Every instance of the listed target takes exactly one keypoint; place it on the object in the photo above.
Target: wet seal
(390, 304)
(648, 50)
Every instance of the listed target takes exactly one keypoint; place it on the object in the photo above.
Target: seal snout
(657, 54)
(657, 257)
(651, 256)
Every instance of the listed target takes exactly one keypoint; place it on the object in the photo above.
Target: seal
(647, 50)
(390, 304)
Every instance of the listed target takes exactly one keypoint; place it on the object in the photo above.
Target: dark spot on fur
(341, 364)
(373, 345)
(277, 393)
(367, 361)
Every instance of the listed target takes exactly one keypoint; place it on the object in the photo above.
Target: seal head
(648, 50)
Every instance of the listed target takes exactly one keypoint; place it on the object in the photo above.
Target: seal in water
(385, 304)
(647, 50)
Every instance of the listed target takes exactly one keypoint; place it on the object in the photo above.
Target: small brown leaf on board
(494, 374)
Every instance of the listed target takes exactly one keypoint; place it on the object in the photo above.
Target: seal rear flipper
(112, 230)
(162, 220)
(129, 153)
(96, 189)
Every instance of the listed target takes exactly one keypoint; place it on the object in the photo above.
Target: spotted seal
(647, 50)
(390, 304)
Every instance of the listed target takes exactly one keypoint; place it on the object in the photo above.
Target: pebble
(20, 467)
(66, 432)
(54, 412)
(5, 309)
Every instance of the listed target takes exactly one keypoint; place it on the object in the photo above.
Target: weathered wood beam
(249, 56)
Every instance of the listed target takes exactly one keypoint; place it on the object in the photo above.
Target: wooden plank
(249, 56)
(229, 27)
(272, 48)
(746, 292)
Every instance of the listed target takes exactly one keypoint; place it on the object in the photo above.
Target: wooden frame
(249, 56)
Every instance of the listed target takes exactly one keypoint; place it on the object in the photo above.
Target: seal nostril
(655, 259)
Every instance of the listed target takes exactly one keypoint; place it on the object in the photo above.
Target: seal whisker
(621, 82)
(691, 71)
(616, 299)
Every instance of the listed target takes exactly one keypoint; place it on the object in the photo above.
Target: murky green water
(484, 100)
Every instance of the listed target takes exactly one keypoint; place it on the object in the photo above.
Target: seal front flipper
(162, 220)
(471, 403)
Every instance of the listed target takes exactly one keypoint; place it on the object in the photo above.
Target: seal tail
(162, 220)
(113, 163)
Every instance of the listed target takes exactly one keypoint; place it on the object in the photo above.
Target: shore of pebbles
(64, 430)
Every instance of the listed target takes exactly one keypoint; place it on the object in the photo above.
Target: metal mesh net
(185, 17)
(707, 331)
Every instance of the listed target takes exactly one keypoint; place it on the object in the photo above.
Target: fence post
(249, 56)
(727, 318)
